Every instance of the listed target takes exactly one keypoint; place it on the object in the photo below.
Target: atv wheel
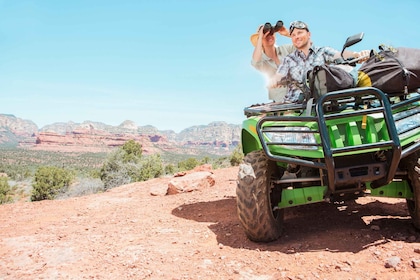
(256, 198)
(413, 205)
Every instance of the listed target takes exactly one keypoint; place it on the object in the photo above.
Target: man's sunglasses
(299, 25)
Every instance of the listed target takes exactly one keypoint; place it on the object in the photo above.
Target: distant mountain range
(217, 138)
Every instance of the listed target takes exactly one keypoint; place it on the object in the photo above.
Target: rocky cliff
(14, 130)
(215, 138)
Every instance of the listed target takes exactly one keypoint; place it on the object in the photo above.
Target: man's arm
(364, 55)
(284, 31)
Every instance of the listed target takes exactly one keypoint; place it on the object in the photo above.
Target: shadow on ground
(347, 227)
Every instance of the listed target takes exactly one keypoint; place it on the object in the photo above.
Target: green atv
(348, 143)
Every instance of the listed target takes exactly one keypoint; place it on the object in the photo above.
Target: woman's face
(269, 40)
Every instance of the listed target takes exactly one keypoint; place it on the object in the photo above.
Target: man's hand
(284, 31)
(273, 83)
(363, 55)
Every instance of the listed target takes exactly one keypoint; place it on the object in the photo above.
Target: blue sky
(170, 64)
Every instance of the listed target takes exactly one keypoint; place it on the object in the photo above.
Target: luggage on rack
(329, 77)
(392, 70)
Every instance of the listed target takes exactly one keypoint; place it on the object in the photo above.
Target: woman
(267, 57)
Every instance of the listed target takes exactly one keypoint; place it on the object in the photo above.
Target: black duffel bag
(392, 70)
(329, 77)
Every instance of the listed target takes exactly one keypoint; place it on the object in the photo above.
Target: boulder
(191, 182)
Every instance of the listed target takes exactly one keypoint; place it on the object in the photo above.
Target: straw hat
(254, 39)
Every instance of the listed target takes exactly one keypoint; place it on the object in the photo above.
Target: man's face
(300, 38)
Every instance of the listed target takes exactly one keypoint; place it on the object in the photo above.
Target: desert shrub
(83, 186)
(5, 191)
(132, 151)
(169, 169)
(237, 156)
(96, 174)
(15, 172)
(49, 181)
(127, 165)
(221, 162)
(21, 164)
(150, 167)
(188, 164)
(205, 160)
(114, 171)
(191, 163)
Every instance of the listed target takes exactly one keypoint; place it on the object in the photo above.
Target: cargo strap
(309, 106)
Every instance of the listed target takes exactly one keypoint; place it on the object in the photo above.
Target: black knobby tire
(412, 164)
(256, 199)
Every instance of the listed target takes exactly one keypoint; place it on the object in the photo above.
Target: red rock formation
(93, 140)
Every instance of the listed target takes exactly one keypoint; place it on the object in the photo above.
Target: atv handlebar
(350, 61)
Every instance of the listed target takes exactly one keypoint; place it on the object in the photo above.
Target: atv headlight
(407, 122)
(290, 136)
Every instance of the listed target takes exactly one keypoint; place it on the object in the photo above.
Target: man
(294, 67)
(267, 57)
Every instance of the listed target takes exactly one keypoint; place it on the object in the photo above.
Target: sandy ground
(127, 233)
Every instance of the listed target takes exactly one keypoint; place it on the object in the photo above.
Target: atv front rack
(275, 117)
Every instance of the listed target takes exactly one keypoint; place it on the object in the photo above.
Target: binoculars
(272, 29)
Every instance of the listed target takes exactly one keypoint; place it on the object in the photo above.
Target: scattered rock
(415, 263)
(159, 190)
(180, 174)
(392, 262)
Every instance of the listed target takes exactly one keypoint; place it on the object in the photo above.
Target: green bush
(5, 191)
(126, 165)
(21, 164)
(15, 172)
(49, 181)
(151, 167)
(205, 160)
(169, 169)
(237, 156)
(188, 164)
(132, 151)
(114, 171)
(221, 162)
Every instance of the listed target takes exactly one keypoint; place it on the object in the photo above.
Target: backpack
(392, 70)
(329, 77)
